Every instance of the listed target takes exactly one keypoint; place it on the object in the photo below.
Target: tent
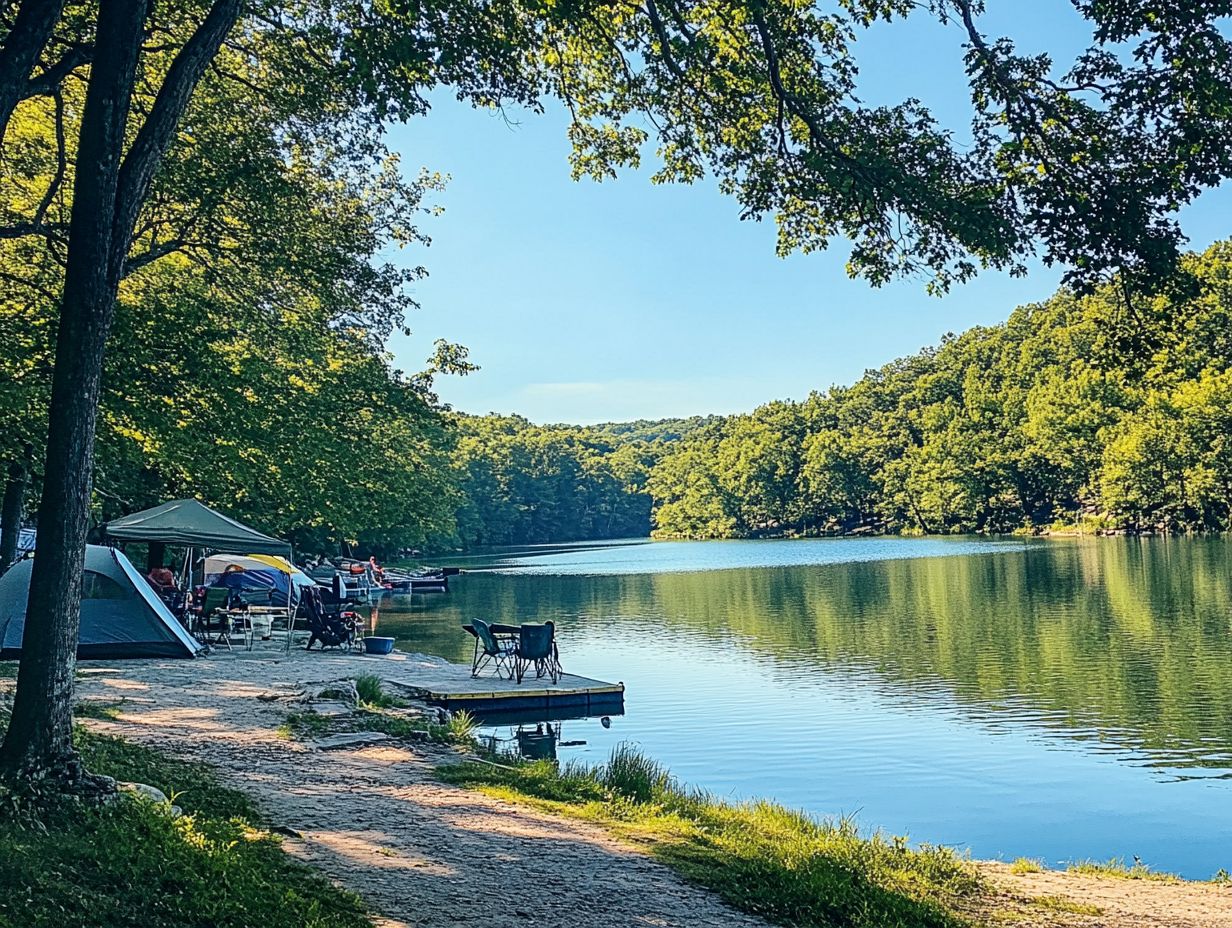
(191, 524)
(121, 616)
(260, 572)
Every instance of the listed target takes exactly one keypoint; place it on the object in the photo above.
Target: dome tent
(121, 616)
(261, 572)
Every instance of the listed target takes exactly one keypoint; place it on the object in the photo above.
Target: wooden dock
(451, 686)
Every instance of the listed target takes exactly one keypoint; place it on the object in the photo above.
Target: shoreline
(376, 818)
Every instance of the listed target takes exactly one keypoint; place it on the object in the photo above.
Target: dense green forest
(1070, 412)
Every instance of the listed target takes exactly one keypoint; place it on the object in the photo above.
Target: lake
(1062, 699)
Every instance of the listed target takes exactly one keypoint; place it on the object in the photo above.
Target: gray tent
(191, 524)
(121, 616)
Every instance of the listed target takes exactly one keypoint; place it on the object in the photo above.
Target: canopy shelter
(190, 524)
(259, 573)
(121, 616)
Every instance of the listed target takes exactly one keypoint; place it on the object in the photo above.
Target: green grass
(8, 670)
(372, 695)
(1026, 865)
(94, 709)
(130, 864)
(760, 857)
(305, 726)
(1118, 869)
(1064, 904)
(461, 726)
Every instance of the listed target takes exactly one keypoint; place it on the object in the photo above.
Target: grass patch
(760, 857)
(1064, 904)
(462, 726)
(304, 726)
(8, 670)
(372, 695)
(1118, 869)
(131, 864)
(95, 709)
(1025, 865)
(307, 726)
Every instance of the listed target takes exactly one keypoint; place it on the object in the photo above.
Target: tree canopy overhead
(1085, 162)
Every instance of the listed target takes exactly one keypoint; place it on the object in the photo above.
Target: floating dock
(451, 686)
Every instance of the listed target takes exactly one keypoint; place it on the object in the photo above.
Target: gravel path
(419, 852)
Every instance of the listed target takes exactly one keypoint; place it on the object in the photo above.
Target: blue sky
(586, 302)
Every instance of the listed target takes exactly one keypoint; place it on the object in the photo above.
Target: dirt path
(425, 854)
(419, 852)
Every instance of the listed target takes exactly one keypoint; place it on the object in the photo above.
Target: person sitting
(162, 579)
(164, 585)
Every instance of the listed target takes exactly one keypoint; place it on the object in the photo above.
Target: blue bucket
(378, 645)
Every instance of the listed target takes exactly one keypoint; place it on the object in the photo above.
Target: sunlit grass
(95, 709)
(1118, 869)
(1025, 865)
(760, 857)
(372, 695)
(1065, 904)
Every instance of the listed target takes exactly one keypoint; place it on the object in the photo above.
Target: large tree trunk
(38, 744)
(12, 512)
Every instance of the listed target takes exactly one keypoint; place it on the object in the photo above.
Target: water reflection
(532, 741)
(1069, 678)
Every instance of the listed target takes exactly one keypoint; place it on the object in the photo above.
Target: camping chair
(489, 649)
(216, 599)
(329, 628)
(537, 646)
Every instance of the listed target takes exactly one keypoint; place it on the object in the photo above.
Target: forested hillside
(1069, 412)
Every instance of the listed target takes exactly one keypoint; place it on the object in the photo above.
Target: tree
(109, 189)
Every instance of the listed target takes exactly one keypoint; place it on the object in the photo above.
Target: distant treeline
(1075, 410)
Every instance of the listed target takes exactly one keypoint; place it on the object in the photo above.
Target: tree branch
(156, 133)
(51, 77)
(32, 28)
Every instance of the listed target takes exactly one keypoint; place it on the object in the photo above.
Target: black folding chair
(537, 648)
(329, 628)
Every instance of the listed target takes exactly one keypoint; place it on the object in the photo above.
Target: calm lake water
(1063, 699)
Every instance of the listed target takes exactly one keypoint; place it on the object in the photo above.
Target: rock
(331, 708)
(153, 794)
(349, 739)
(335, 691)
(285, 831)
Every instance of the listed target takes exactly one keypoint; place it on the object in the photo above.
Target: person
(163, 583)
(162, 579)
(377, 572)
